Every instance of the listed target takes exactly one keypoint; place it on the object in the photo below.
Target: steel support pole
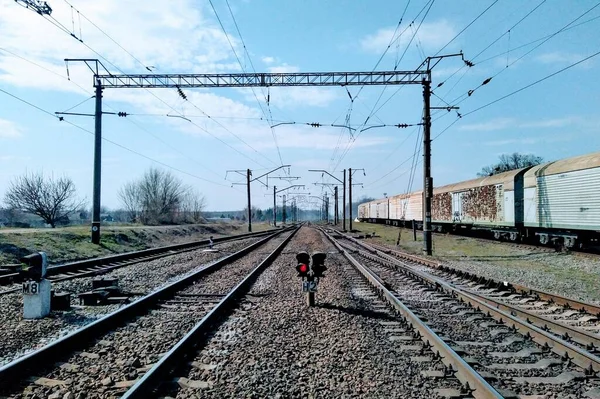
(427, 179)
(350, 195)
(283, 216)
(344, 204)
(248, 175)
(335, 193)
(274, 206)
(97, 166)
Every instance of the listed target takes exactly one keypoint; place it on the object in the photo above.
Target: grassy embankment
(73, 243)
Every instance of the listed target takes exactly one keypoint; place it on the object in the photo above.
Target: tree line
(157, 197)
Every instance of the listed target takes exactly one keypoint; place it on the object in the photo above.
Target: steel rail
(79, 338)
(520, 289)
(580, 357)
(130, 257)
(196, 337)
(463, 371)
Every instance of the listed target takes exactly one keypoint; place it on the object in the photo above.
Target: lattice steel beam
(263, 79)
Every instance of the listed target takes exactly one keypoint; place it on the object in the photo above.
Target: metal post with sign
(36, 288)
(310, 269)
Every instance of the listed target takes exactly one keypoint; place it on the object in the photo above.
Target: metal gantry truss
(206, 80)
(202, 80)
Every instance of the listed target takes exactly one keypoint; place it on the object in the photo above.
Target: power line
(349, 146)
(62, 27)
(519, 90)
(108, 140)
(128, 119)
(243, 69)
(466, 27)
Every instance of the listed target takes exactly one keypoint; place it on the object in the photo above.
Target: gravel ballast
(20, 336)
(107, 368)
(571, 274)
(275, 346)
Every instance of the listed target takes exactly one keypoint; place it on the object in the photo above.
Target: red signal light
(302, 268)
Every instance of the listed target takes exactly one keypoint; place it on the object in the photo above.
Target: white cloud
(513, 123)
(13, 158)
(268, 60)
(9, 130)
(284, 68)
(563, 58)
(432, 35)
(173, 36)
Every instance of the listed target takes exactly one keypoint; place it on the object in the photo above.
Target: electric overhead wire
(524, 87)
(243, 69)
(350, 108)
(568, 26)
(161, 100)
(518, 91)
(62, 119)
(465, 28)
(428, 5)
(438, 52)
(111, 107)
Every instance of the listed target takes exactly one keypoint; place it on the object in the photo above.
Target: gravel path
(275, 346)
(108, 367)
(20, 336)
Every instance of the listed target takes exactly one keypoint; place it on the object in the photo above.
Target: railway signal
(318, 264)
(310, 270)
(303, 267)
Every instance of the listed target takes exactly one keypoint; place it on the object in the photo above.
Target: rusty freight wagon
(554, 202)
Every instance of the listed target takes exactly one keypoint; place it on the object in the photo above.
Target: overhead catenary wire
(428, 7)
(469, 93)
(60, 26)
(111, 107)
(518, 91)
(243, 70)
(62, 119)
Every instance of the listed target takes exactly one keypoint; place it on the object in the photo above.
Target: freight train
(551, 203)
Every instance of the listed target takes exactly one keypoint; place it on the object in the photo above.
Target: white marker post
(36, 289)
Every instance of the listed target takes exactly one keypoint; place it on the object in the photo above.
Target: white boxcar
(564, 194)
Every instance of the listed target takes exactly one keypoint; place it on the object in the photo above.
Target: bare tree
(192, 206)
(162, 195)
(510, 162)
(131, 199)
(49, 198)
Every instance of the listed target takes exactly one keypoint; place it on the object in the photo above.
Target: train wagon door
(457, 212)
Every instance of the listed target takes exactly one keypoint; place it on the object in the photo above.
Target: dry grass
(73, 243)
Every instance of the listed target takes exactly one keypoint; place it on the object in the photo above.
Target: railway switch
(36, 289)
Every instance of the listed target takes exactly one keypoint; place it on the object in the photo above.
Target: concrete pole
(248, 174)
(344, 204)
(274, 206)
(427, 179)
(350, 195)
(97, 166)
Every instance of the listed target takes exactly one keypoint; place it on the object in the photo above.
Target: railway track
(498, 344)
(98, 266)
(136, 346)
(575, 320)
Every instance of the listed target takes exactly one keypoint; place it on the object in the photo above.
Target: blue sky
(555, 119)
